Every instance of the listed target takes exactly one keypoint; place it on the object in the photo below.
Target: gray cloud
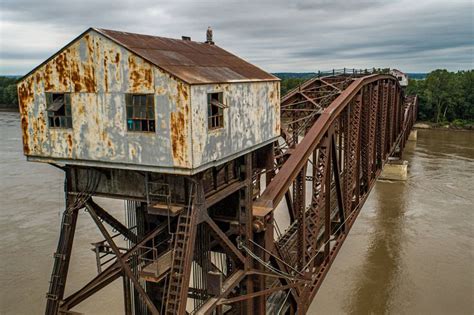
(279, 35)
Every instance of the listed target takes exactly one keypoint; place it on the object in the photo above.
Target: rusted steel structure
(223, 216)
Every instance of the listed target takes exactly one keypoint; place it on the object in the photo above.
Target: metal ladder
(183, 247)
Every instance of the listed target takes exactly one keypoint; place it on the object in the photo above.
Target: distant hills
(295, 75)
(11, 76)
(417, 76)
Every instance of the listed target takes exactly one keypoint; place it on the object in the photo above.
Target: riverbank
(455, 125)
(9, 109)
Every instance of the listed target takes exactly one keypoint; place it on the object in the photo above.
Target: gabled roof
(190, 61)
(193, 62)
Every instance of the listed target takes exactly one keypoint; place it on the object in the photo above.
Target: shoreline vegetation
(446, 99)
(8, 93)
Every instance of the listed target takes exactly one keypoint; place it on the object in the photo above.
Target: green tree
(465, 109)
(445, 96)
(290, 83)
(8, 92)
(437, 91)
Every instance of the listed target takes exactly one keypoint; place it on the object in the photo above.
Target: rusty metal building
(191, 105)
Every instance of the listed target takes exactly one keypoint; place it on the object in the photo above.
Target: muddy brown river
(411, 250)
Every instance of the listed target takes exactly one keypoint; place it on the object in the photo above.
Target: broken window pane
(58, 106)
(140, 110)
(151, 124)
(55, 106)
(215, 110)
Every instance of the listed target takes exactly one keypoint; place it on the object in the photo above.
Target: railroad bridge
(254, 234)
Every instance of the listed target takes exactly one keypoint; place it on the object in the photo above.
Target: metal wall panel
(98, 72)
(251, 119)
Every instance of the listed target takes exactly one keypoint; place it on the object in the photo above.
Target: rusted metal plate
(172, 54)
(200, 74)
(165, 57)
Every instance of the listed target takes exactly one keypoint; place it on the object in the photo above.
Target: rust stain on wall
(62, 70)
(80, 109)
(178, 139)
(106, 79)
(42, 122)
(48, 84)
(134, 75)
(148, 76)
(178, 126)
(182, 90)
(35, 134)
(89, 78)
(76, 78)
(25, 97)
(69, 144)
(140, 75)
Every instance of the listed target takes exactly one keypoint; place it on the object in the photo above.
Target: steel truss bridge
(253, 236)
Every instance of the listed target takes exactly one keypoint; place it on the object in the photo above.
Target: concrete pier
(395, 170)
(413, 135)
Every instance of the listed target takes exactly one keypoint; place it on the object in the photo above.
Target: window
(140, 112)
(59, 110)
(215, 110)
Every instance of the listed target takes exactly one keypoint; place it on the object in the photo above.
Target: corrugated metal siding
(98, 72)
(251, 119)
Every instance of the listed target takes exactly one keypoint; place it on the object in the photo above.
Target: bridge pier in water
(395, 170)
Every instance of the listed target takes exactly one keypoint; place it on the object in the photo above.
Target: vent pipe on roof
(209, 36)
(185, 38)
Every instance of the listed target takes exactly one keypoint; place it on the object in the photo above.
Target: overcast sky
(277, 35)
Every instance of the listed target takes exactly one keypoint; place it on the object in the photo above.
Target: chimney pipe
(209, 36)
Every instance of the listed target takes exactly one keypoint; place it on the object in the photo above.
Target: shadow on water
(382, 264)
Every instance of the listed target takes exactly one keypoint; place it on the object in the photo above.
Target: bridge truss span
(256, 235)
(328, 164)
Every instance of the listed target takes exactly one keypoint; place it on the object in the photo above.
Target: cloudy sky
(277, 35)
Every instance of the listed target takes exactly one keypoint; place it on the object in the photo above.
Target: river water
(411, 250)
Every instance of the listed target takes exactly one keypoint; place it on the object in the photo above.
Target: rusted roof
(193, 62)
